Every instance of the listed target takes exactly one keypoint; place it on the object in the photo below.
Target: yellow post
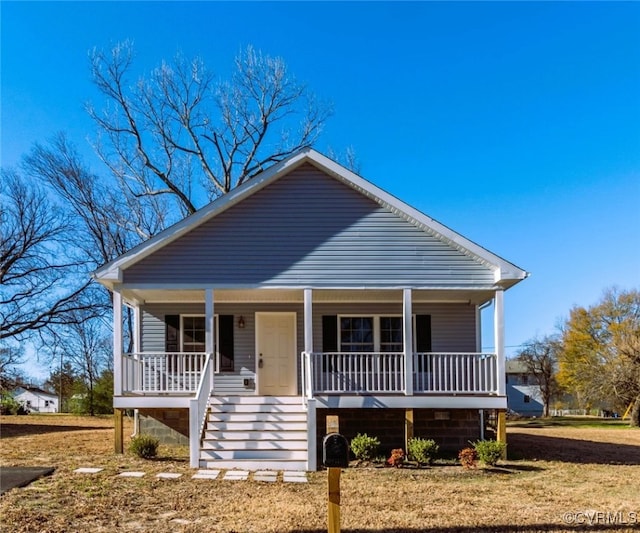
(333, 517)
(119, 431)
(502, 430)
(408, 428)
(333, 509)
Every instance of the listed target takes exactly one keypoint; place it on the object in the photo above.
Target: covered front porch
(397, 373)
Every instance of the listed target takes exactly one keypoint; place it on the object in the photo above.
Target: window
(193, 333)
(370, 334)
(391, 334)
(46, 403)
(356, 334)
(527, 398)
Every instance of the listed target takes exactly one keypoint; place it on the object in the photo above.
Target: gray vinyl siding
(308, 229)
(453, 326)
(153, 337)
(452, 330)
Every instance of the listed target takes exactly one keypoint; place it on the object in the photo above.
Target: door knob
(260, 363)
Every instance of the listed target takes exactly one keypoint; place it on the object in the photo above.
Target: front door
(276, 354)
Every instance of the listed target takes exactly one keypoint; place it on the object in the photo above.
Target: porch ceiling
(167, 295)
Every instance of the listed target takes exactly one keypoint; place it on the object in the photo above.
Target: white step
(256, 445)
(228, 434)
(300, 455)
(232, 425)
(257, 417)
(248, 464)
(270, 400)
(256, 408)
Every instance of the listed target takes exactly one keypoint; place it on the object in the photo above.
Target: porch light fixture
(241, 322)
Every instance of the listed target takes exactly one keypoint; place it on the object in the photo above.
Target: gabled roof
(506, 273)
(35, 390)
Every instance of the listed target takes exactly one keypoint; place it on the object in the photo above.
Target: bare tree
(107, 223)
(540, 358)
(86, 347)
(41, 280)
(181, 129)
(11, 357)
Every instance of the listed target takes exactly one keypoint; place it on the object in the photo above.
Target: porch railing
(357, 372)
(160, 373)
(384, 373)
(455, 373)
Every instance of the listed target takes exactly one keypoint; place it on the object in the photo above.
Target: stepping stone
(84, 470)
(294, 477)
(236, 475)
(168, 475)
(180, 521)
(206, 474)
(131, 474)
(268, 476)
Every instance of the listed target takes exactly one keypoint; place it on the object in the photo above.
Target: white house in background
(523, 391)
(36, 400)
(307, 292)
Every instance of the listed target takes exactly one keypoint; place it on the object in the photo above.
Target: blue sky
(515, 124)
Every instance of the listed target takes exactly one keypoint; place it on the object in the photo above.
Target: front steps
(255, 433)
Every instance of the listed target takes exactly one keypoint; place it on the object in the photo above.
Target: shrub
(397, 457)
(490, 451)
(468, 457)
(144, 446)
(365, 448)
(422, 451)
(10, 406)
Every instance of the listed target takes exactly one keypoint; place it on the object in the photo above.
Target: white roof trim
(111, 273)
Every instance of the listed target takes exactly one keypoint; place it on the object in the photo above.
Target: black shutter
(225, 342)
(329, 339)
(172, 333)
(329, 333)
(423, 337)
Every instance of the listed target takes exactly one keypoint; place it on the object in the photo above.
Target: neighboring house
(523, 392)
(304, 292)
(36, 400)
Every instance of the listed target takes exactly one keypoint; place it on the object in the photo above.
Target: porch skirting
(169, 426)
(452, 429)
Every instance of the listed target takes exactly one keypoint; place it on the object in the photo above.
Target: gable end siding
(308, 229)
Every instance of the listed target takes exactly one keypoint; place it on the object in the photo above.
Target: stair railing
(198, 408)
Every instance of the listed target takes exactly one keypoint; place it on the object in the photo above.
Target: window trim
(376, 328)
(215, 329)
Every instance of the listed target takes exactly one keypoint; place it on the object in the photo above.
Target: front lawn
(558, 478)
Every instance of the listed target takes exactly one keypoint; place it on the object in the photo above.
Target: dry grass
(553, 471)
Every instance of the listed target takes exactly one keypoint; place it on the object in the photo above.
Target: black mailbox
(335, 451)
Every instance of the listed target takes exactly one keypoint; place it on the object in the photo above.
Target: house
(523, 391)
(36, 400)
(307, 291)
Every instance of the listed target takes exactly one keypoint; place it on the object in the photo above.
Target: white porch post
(311, 402)
(498, 325)
(117, 343)
(137, 329)
(308, 320)
(407, 335)
(209, 325)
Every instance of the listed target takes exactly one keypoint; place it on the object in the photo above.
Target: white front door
(276, 354)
